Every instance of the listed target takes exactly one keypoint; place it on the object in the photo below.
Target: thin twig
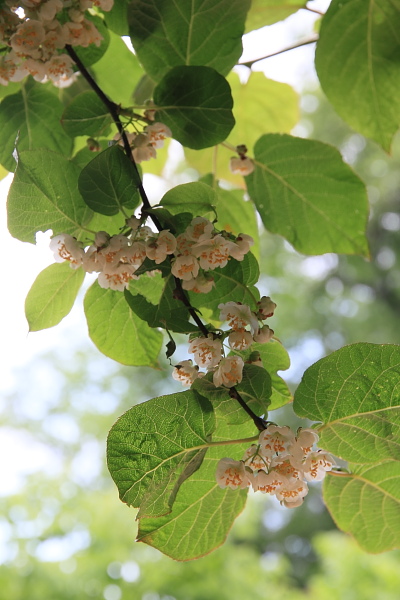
(258, 421)
(314, 10)
(310, 40)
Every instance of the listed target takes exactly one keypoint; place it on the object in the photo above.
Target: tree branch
(258, 421)
(310, 40)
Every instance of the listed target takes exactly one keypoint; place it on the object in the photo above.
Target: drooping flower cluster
(117, 258)
(280, 464)
(145, 144)
(35, 43)
(208, 351)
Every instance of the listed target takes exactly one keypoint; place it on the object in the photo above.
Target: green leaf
(203, 513)
(305, 192)
(86, 115)
(366, 503)
(168, 313)
(357, 61)
(52, 295)
(118, 71)
(109, 182)
(117, 17)
(267, 12)
(354, 392)
(192, 32)
(155, 446)
(260, 105)
(117, 331)
(196, 198)
(196, 103)
(232, 283)
(31, 120)
(112, 225)
(44, 195)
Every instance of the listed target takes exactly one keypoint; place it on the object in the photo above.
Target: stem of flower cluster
(114, 110)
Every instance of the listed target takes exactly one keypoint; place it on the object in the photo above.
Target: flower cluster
(35, 43)
(280, 464)
(208, 351)
(116, 258)
(145, 144)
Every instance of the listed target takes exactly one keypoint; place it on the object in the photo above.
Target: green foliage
(198, 32)
(306, 193)
(117, 331)
(360, 37)
(109, 182)
(196, 198)
(52, 295)
(86, 115)
(29, 120)
(44, 195)
(354, 393)
(266, 12)
(196, 103)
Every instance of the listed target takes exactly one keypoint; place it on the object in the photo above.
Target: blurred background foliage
(63, 532)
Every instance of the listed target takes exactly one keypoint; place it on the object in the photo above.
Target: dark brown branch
(310, 40)
(258, 421)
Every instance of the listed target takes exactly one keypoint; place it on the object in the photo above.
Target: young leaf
(86, 115)
(354, 393)
(203, 513)
(52, 295)
(267, 12)
(305, 192)
(44, 195)
(366, 503)
(30, 119)
(196, 103)
(195, 32)
(196, 198)
(358, 67)
(109, 182)
(154, 446)
(117, 331)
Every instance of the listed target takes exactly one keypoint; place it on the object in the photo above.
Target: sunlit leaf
(357, 61)
(52, 295)
(117, 331)
(305, 192)
(267, 12)
(196, 198)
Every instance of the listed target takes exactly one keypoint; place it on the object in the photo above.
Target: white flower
(110, 255)
(202, 284)
(213, 252)
(59, 68)
(238, 315)
(265, 307)
(27, 39)
(263, 335)
(292, 494)
(101, 239)
(253, 459)
(157, 133)
(184, 244)
(302, 447)
(66, 247)
(185, 372)
(116, 277)
(268, 483)
(275, 439)
(207, 351)
(229, 372)
(317, 464)
(241, 165)
(199, 229)
(231, 473)
(135, 254)
(159, 248)
(240, 339)
(185, 267)
(241, 246)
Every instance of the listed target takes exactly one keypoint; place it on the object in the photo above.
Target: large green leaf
(30, 119)
(118, 71)
(189, 32)
(155, 446)
(355, 393)
(196, 103)
(203, 513)
(86, 115)
(117, 18)
(44, 195)
(305, 192)
(52, 295)
(259, 106)
(232, 283)
(366, 503)
(117, 331)
(358, 65)
(196, 198)
(109, 182)
(267, 12)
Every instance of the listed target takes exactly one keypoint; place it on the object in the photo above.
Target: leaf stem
(258, 421)
(310, 40)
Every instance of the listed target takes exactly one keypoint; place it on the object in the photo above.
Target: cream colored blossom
(265, 308)
(263, 335)
(229, 372)
(66, 247)
(185, 372)
(292, 494)
(317, 464)
(268, 483)
(199, 229)
(231, 473)
(157, 133)
(237, 315)
(213, 252)
(275, 440)
(240, 339)
(207, 351)
(241, 165)
(159, 248)
(253, 459)
(202, 284)
(185, 267)
(116, 277)
(241, 246)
